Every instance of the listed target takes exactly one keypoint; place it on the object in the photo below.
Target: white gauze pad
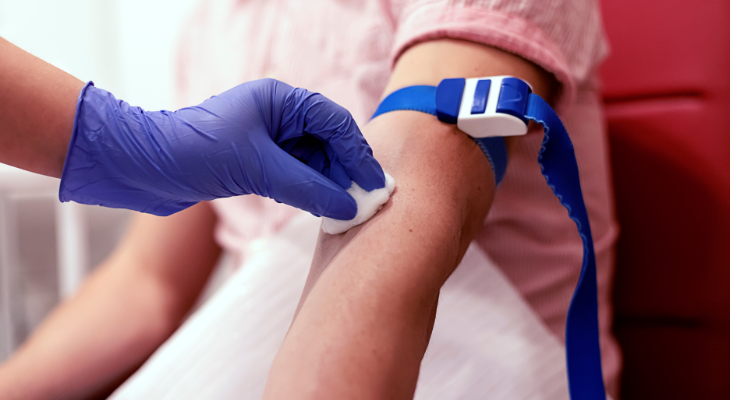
(368, 204)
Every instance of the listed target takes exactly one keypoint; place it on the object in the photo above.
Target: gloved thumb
(294, 183)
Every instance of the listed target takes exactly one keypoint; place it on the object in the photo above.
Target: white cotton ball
(368, 204)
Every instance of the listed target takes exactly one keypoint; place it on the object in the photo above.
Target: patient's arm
(370, 300)
(121, 314)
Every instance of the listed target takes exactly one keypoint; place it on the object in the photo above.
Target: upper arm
(444, 183)
(563, 37)
(429, 62)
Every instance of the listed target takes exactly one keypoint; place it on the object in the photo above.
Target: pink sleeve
(565, 37)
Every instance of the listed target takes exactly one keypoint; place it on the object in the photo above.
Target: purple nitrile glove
(263, 137)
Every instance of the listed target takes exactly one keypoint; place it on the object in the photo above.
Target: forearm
(37, 109)
(91, 342)
(369, 303)
(363, 328)
(122, 313)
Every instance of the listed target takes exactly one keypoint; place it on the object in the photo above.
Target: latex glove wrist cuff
(106, 165)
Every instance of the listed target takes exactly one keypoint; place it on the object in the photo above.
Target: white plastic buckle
(491, 122)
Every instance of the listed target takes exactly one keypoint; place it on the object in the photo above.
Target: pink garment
(345, 49)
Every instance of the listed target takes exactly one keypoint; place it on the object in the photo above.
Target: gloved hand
(262, 137)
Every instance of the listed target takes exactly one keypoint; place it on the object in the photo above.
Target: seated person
(368, 307)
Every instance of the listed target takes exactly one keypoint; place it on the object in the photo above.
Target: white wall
(124, 46)
(147, 44)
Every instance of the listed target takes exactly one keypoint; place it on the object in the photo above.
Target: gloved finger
(317, 160)
(308, 150)
(292, 182)
(289, 144)
(337, 171)
(320, 157)
(332, 124)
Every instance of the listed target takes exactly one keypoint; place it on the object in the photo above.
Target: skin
(368, 308)
(369, 305)
(37, 109)
(128, 306)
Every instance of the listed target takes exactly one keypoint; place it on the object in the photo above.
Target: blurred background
(127, 47)
(666, 90)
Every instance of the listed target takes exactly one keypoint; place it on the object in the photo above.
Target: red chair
(667, 96)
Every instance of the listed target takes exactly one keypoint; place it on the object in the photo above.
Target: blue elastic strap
(560, 169)
(412, 98)
(423, 99)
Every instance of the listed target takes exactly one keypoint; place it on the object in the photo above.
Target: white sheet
(486, 344)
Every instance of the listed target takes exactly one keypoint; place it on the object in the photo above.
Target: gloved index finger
(333, 124)
(292, 182)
